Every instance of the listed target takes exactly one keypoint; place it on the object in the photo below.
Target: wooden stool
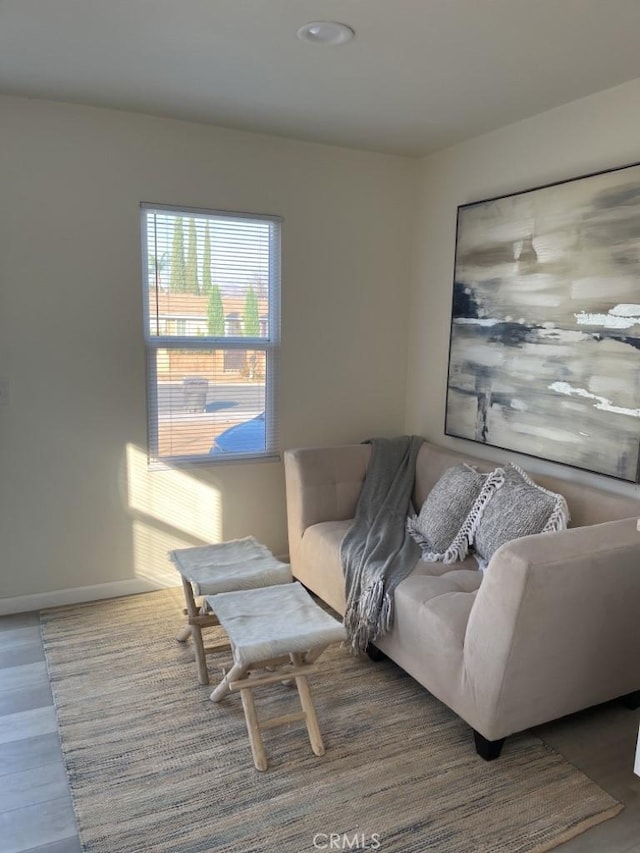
(211, 569)
(282, 628)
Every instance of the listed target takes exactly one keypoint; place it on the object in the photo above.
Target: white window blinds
(211, 284)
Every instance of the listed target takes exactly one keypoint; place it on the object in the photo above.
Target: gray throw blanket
(377, 552)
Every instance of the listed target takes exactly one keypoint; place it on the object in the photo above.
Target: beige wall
(594, 133)
(78, 507)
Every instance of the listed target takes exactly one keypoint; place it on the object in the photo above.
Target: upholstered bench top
(227, 566)
(272, 621)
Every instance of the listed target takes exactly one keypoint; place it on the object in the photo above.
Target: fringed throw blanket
(377, 552)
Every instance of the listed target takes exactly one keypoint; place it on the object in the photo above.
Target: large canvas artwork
(545, 333)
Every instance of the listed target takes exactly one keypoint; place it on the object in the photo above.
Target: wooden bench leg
(242, 677)
(195, 631)
(191, 610)
(184, 634)
(306, 701)
(253, 729)
(201, 658)
(236, 672)
(313, 655)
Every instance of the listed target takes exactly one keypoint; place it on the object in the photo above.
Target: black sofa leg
(374, 653)
(632, 700)
(487, 749)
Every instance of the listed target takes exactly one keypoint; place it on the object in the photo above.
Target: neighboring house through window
(233, 359)
(212, 332)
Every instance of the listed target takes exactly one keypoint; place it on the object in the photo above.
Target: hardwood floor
(35, 806)
(602, 743)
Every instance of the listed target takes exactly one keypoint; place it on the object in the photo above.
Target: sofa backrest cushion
(587, 504)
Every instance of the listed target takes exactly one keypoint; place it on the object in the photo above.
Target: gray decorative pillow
(518, 508)
(451, 512)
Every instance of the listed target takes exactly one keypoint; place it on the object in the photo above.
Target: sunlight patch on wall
(174, 498)
(151, 547)
(170, 509)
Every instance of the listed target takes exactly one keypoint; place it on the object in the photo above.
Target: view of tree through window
(212, 332)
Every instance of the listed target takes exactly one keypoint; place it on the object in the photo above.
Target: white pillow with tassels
(451, 513)
(519, 507)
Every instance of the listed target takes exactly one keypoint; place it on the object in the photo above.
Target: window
(212, 329)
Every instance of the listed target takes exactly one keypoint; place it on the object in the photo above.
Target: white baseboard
(80, 594)
(75, 595)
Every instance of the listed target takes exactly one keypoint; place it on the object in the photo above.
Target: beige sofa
(553, 625)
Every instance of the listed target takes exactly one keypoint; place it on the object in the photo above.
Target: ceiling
(420, 74)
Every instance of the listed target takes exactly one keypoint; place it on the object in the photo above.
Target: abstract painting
(545, 334)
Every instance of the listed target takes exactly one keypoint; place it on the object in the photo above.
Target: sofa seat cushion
(430, 596)
(321, 547)
(320, 555)
(430, 626)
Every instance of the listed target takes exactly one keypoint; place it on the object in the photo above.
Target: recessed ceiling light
(326, 32)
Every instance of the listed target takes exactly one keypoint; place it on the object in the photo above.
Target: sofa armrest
(323, 484)
(554, 627)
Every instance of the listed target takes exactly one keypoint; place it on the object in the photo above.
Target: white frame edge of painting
(544, 353)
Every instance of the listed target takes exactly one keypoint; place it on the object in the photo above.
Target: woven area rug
(154, 765)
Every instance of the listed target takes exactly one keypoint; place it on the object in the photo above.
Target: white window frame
(269, 345)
